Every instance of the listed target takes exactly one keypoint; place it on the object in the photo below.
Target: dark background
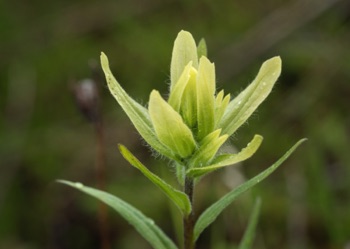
(47, 46)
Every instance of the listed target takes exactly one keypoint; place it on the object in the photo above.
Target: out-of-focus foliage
(46, 47)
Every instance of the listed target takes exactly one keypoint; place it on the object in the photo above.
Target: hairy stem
(188, 221)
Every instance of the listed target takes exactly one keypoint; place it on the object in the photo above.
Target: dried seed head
(87, 98)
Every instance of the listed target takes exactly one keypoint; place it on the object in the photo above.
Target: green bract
(194, 122)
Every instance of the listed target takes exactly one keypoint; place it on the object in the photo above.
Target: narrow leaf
(211, 213)
(241, 107)
(202, 48)
(169, 126)
(249, 234)
(179, 198)
(184, 51)
(137, 113)
(205, 97)
(228, 159)
(144, 225)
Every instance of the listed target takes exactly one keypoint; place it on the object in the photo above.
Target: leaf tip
(301, 141)
(275, 63)
(77, 185)
(103, 57)
(258, 137)
(104, 62)
(184, 33)
(121, 148)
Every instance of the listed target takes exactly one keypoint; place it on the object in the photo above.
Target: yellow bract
(169, 126)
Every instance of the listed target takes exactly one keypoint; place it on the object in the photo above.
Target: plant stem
(87, 99)
(188, 221)
(101, 182)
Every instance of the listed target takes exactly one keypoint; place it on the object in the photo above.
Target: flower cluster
(194, 122)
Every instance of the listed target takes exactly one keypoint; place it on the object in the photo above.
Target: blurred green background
(48, 46)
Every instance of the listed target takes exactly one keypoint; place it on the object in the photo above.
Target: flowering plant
(189, 129)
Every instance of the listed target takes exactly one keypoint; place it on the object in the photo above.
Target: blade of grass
(144, 225)
(211, 213)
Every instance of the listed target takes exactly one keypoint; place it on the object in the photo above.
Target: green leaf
(184, 51)
(144, 225)
(179, 198)
(241, 107)
(205, 97)
(137, 113)
(211, 213)
(228, 159)
(202, 48)
(169, 126)
(249, 234)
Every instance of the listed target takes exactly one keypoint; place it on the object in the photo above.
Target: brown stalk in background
(87, 99)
